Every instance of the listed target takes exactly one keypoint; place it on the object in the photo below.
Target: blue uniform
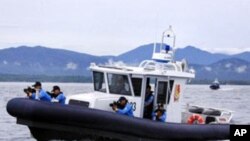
(127, 110)
(149, 100)
(161, 118)
(61, 98)
(43, 96)
(148, 106)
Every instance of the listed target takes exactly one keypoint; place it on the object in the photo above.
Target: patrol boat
(90, 116)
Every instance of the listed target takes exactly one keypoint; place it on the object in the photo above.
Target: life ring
(195, 118)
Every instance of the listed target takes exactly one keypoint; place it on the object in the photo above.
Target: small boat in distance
(215, 85)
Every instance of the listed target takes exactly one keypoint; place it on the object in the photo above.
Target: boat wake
(226, 89)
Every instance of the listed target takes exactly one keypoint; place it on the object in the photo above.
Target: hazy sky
(103, 27)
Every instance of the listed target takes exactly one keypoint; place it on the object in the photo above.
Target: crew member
(40, 94)
(124, 108)
(57, 95)
(160, 114)
(148, 104)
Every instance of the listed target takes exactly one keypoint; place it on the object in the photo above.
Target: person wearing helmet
(58, 95)
(40, 94)
(160, 113)
(124, 107)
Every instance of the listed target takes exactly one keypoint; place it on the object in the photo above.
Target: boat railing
(151, 65)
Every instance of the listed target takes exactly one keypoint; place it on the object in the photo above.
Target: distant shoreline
(88, 79)
(44, 78)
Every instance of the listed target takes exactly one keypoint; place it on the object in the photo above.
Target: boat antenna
(156, 29)
(169, 33)
(154, 47)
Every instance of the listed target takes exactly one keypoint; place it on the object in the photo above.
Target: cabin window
(99, 81)
(118, 84)
(162, 92)
(137, 84)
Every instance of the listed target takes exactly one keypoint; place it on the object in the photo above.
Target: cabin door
(163, 92)
(137, 83)
(148, 96)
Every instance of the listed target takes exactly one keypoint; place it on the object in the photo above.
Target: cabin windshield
(99, 81)
(137, 86)
(118, 84)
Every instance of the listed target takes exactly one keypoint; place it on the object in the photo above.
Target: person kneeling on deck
(39, 93)
(123, 107)
(57, 95)
(160, 114)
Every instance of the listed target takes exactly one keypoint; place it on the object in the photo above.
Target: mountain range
(41, 60)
